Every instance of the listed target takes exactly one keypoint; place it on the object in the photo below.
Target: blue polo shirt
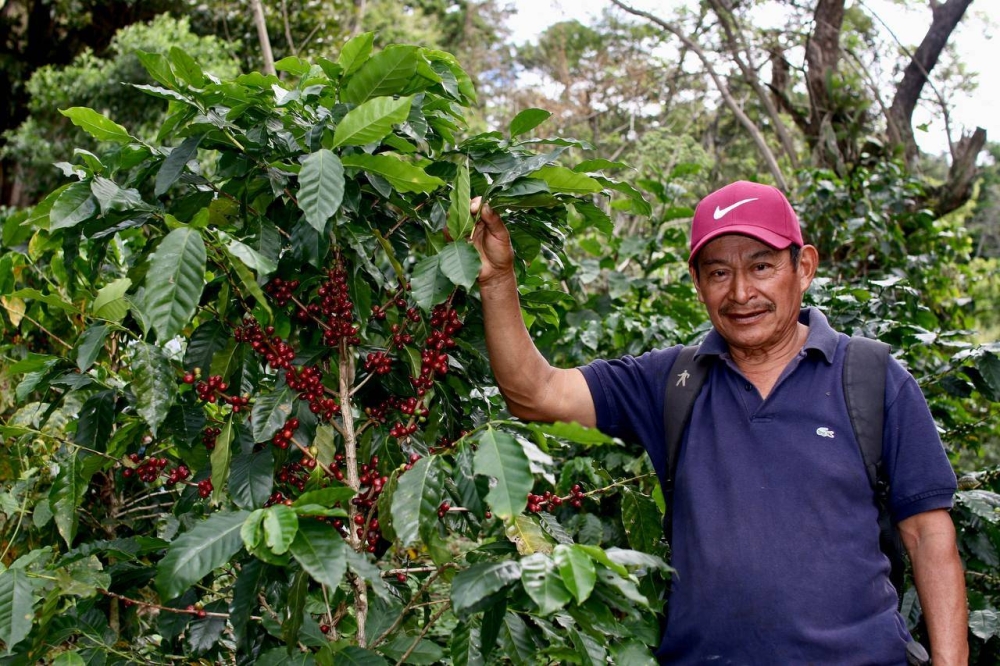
(775, 530)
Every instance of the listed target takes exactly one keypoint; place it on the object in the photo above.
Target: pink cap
(748, 209)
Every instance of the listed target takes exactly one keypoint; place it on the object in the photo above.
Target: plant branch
(423, 632)
(413, 600)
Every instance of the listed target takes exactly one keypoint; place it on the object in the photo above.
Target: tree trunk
(822, 58)
(946, 18)
(265, 41)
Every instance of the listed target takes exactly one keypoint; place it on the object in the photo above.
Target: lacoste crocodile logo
(824, 432)
(721, 212)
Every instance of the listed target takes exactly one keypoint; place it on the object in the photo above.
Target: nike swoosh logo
(721, 212)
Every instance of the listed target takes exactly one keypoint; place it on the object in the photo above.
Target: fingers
(486, 214)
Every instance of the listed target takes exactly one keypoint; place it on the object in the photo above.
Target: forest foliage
(248, 412)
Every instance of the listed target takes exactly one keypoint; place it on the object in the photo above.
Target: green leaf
(270, 411)
(502, 458)
(245, 598)
(460, 263)
(527, 535)
(465, 647)
(321, 187)
(577, 571)
(989, 367)
(175, 281)
(325, 497)
(321, 552)
(355, 52)
(371, 121)
(221, 456)
(481, 586)
(984, 624)
(597, 554)
(429, 285)
(173, 165)
(75, 205)
(459, 217)
(89, 346)
(96, 421)
(542, 583)
(527, 120)
(280, 527)
(153, 383)
(158, 67)
(416, 500)
(561, 179)
(642, 521)
(196, 553)
(403, 176)
(97, 125)
(110, 302)
(16, 606)
(573, 432)
(353, 655)
(250, 257)
(187, 68)
(249, 282)
(362, 565)
(251, 478)
(386, 73)
(68, 490)
(632, 653)
(206, 340)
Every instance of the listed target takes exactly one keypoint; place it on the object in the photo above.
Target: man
(775, 535)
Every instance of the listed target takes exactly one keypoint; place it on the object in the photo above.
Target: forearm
(522, 373)
(940, 581)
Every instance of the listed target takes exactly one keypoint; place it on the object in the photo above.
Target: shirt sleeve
(920, 475)
(628, 399)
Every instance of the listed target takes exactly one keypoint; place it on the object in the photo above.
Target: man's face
(752, 292)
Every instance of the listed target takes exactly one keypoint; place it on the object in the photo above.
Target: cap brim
(777, 241)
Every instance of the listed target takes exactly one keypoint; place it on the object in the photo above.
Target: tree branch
(744, 120)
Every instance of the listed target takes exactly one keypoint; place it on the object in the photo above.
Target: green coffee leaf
(459, 216)
(281, 524)
(388, 72)
(501, 458)
(576, 570)
(175, 281)
(403, 176)
(460, 263)
(16, 606)
(371, 121)
(76, 204)
(416, 500)
(97, 125)
(321, 187)
(356, 52)
(270, 411)
(527, 120)
(429, 284)
(199, 551)
(542, 583)
(154, 384)
(321, 552)
(482, 585)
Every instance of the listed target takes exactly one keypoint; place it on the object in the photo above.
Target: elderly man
(775, 535)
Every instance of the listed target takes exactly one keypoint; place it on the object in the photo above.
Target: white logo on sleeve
(721, 212)
(682, 378)
(824, 432)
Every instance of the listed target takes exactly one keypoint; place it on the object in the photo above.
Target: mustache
(753, 306)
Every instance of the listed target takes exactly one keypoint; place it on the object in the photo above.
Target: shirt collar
(821, 337)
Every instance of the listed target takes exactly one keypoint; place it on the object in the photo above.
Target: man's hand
(491, 239)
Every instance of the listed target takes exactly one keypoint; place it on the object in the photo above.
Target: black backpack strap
(684, 382)
(864, 390)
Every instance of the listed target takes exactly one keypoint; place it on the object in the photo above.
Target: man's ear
(808, 263)
(694, 278)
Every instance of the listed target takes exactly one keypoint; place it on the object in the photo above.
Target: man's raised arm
(533, 389)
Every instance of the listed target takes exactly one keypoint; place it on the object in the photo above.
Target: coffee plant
(252, 418)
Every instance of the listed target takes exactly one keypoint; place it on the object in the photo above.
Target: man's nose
(742, 288)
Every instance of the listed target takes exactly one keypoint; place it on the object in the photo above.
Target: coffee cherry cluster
(177, 475)
(283, 437)
(208, 437)
(205, 488)
(277, 497)
(148, 470)
(400, 338)
(308, 382)
(378, 362)
(281, 290)
(549, 500)
(444, 509)
(372, 483)
(337, 309)
(434, 356)
(213, 391)
(278, 353)
(400, 431)
(295, 474)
